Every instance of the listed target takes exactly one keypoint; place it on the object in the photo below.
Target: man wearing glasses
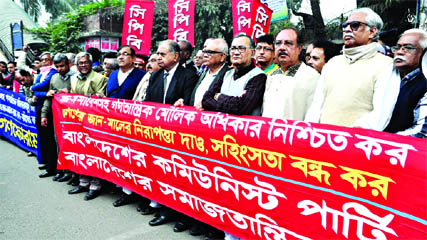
(264, 53)
(87, 82)
(289, 89)
(239, 91)
(351, 91)
(214, 54)
(407, 57)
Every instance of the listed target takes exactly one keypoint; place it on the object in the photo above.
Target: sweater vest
(349, 88)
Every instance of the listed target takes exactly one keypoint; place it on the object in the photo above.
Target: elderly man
(239, 91)
(87, 82)
(321, 53)
(60, 82)
(198, 59)
(167, 85)
(40, 87)
(110, 64)
(289, 89)
(141, 90)
(407, 55)
(215, 54)
(351, 91)
(185, 53)
(264, 53)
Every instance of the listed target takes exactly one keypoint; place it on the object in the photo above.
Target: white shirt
(205, 84)
(168, 80)
(123, 75)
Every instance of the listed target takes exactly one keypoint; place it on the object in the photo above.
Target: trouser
(49, 154)
(93, 183)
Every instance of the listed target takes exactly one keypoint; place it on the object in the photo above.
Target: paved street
(34, 208)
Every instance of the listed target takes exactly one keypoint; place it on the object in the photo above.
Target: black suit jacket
(181, 86)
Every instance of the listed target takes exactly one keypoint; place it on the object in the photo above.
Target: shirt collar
(243, 71)
(412, 75)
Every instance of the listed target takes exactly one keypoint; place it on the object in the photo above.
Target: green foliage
(63, 35)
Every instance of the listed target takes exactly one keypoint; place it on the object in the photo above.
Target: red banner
(253, 177)
(137, 25)
(181, 20)
(260, 19)
(241, 16)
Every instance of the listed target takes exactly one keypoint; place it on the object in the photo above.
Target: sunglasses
(354, 25)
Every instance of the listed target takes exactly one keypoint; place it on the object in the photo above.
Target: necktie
(165, 84)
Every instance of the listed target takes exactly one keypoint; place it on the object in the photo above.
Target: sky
(330, 8)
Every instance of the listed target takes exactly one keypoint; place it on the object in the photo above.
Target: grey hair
(71, 57)
(44, 53)
(372, 19)
(173, 46)
(83, 54)
(222, 45)
(252, 43)
(59, 57)
(423, 33)
(114, 63)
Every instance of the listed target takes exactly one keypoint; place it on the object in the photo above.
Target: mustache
(349, 35)
(283, 52)
(398, 57)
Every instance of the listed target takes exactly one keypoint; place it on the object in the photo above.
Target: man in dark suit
(167, 85)
(172, 81)
(185, 54)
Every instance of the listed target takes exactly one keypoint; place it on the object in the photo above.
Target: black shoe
(47, 174)
(158, 221)
(148, 210)
(92, 194)
(58, 176)
(30, 154)
(78, 189)
(124, 199)
(74, 181)
(214, 233)
(66, 177)
(180, 227)
(42, 167)
(197, 229)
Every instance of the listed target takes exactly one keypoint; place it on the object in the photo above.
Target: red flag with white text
(181, 20)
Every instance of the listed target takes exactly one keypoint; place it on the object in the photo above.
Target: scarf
(362, 52)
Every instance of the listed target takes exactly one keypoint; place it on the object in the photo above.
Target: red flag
(260, 19)
(181, 20)
(137, 25)
(241, 16)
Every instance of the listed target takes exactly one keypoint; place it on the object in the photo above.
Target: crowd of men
(356, 85)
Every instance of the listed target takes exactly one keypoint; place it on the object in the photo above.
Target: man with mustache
(289, 89)
(351, 91)
(407, 56)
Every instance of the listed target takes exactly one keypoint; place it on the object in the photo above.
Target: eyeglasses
(138, 64)
(45, 59)
(210, 52)
(241, 49)
(406, 48)
(83, 63)
(354, 25)
(125, 54)
(265, 49)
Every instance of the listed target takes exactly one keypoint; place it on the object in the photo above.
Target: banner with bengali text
(241, 10)
(138, 25)
(260, 19)
(253, 177)
(181, 20)
(18, 121)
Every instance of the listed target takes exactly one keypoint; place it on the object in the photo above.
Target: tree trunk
(319, 26)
